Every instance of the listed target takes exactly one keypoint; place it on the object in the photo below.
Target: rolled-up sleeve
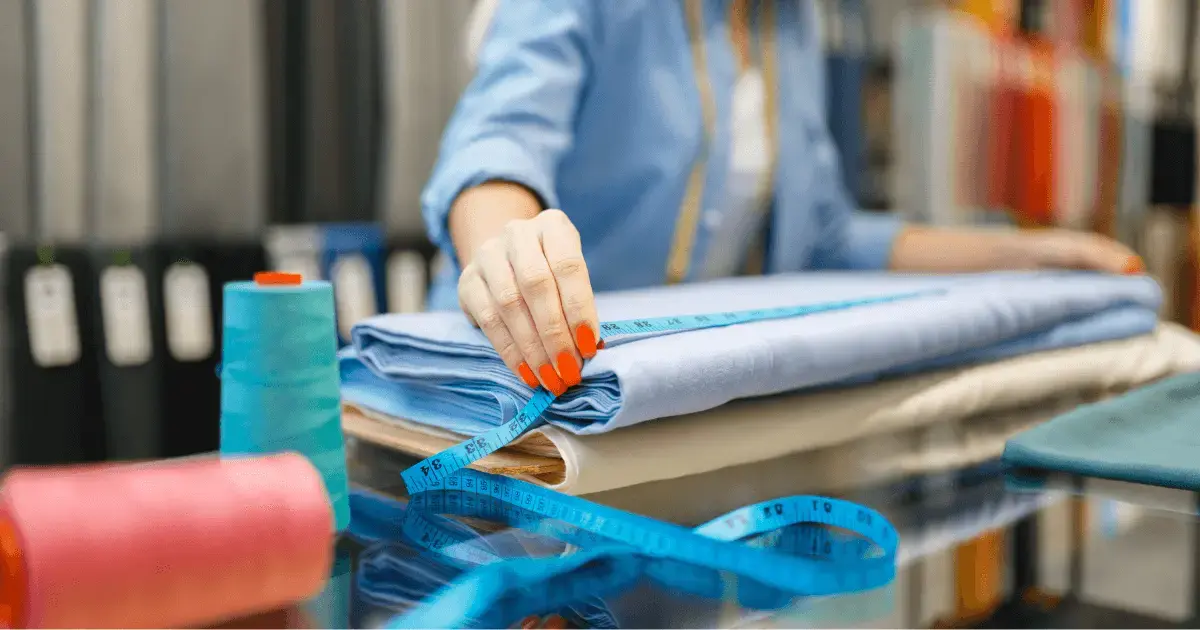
(869, 239)
(850, 238)
(516, 119)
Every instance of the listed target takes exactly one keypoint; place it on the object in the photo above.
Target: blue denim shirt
(618, 113)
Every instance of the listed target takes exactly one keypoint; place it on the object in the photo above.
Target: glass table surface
(1063, 553)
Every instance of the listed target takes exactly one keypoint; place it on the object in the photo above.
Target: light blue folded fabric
(435, 368)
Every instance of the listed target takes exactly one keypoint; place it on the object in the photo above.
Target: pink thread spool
(161, 545)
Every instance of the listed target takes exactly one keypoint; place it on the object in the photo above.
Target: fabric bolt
(1146, 437)
(749, 431)
(436, 369)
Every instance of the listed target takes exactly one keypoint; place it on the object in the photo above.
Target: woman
(682, 139)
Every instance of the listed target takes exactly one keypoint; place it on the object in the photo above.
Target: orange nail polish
(600, 344)
(1134, 266)
(527, 375)
(552, 381)
(586, 340)
(530, 622)
(556, 622)
(569, 369)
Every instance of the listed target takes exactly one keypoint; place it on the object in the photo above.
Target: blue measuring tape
(617, 549)
(432, 471)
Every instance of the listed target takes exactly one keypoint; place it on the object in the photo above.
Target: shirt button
(712, 219)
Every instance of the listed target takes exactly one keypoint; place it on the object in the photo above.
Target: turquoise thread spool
(279, 377)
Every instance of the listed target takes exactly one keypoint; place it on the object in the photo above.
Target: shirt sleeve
(516, 119)
(850, 238)
(854, 239)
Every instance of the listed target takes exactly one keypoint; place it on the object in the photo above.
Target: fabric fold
(437, 370)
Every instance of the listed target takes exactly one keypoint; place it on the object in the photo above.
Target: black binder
(193, 275)
(56, 408)
(129, 343)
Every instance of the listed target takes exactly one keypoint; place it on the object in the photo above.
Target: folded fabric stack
(834, 402)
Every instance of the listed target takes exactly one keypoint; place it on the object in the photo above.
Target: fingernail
(1134, 266)
(555, 621)
(600, 344)
(530, 622)
(552, 381)
(527, 375)
(569, 369)
(586, 340)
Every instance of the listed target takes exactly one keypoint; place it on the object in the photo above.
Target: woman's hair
(477, 28)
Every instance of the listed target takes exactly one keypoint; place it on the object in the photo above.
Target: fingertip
(551, 379)
(585, 339)
(568, 368)
(527, 375)
(1134, 266)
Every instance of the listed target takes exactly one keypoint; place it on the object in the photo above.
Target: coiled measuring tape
(432, 471)
(620, 548)
(424, 523)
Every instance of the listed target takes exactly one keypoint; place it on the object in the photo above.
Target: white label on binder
(52, 319)
(189, 312)
(406, 282)
(353, 291)
(125, 310)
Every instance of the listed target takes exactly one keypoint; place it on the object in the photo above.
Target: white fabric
(735, 224)
(477, 27)
(756, 430)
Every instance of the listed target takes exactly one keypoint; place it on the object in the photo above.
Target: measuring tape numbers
(432, 471)
(617, 548)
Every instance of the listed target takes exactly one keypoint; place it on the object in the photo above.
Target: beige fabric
(842, 470)
(758, 430)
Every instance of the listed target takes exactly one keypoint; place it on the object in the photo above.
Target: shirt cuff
(484, 160)
(870, 238)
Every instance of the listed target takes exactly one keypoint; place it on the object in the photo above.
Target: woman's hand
(1066, 249)
(528, 289)
(946, 250)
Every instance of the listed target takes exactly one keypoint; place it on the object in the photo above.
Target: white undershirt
(736, 222)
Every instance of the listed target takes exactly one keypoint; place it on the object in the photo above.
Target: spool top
(277, 278)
